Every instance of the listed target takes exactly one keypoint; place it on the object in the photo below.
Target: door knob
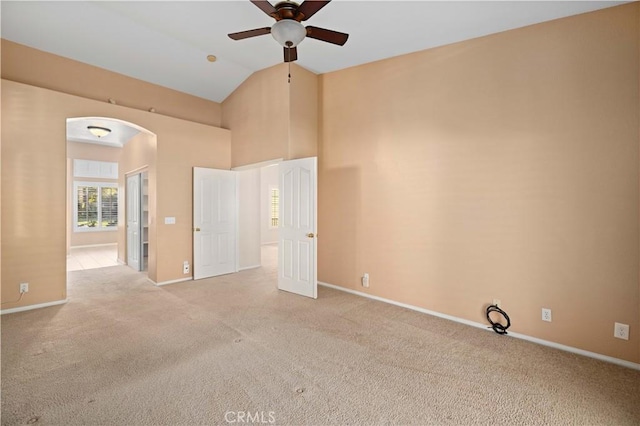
(196, 229)
(310, 235)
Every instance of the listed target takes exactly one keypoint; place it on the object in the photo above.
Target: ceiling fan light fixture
(98, 131)
(288, 32)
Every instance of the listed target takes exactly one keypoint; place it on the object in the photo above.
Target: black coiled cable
(498, 327)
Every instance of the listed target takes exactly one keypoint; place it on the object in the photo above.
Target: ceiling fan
(288, 31)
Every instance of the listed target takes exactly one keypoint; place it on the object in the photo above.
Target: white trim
(31, 307)
(555, 345)
(236, 263)
(170, 282)
(249, 267)
(94, 229)
(94, 245)
(137, 171)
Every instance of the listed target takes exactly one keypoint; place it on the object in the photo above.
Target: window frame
(99, 186)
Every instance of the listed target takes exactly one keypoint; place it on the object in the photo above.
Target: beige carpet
(215, 351)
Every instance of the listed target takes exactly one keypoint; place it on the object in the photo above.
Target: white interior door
(134, 222)
(215, 218)
(297, 247)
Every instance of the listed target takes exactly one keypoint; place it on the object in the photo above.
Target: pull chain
(289, 45)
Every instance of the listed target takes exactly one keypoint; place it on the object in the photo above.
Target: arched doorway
(102, 155)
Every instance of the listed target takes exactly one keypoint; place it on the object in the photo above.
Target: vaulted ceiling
(167, 42)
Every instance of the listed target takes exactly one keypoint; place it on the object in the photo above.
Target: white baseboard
(555, 345)
(180, 280)
(31, 307)
(94, 245)
(249, 267)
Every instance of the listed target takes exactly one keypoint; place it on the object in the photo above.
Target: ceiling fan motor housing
(286, 10)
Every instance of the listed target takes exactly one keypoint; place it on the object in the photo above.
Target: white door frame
(134, 208)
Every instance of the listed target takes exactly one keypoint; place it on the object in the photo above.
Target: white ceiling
(121, 131)
(166, 42)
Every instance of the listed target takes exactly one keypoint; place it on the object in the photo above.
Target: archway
(101, 153)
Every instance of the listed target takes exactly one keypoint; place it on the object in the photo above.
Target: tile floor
(81, 258)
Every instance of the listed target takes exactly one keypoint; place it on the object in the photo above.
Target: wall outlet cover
(365, 280)
(621, 331)
(546, 314)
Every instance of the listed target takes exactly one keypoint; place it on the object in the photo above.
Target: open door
(214, 222)
(297, 247)
(134, 222)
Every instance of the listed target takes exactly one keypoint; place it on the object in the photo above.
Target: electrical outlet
(546, 314)
(496, 302)
(621, 331)
(365, 280)
(185, 267)
(24, 287)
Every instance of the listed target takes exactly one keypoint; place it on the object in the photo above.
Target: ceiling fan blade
(290, 54)
(309, 8)
(266, 7)
(250, 33)
(329, 36)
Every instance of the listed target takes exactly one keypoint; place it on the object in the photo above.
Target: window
(274, 206)
(95, 206)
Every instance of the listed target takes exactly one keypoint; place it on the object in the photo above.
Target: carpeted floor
(234, 350)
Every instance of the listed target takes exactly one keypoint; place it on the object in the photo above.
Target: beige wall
(37, 68)
(33, 183)
(182, 146)
(272, 119)
(257, 112)
(502, 167)
(87, 151)
(303, 118)
(34, 175)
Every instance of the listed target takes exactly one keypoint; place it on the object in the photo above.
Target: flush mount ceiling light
(288, 33)
(99, 131)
